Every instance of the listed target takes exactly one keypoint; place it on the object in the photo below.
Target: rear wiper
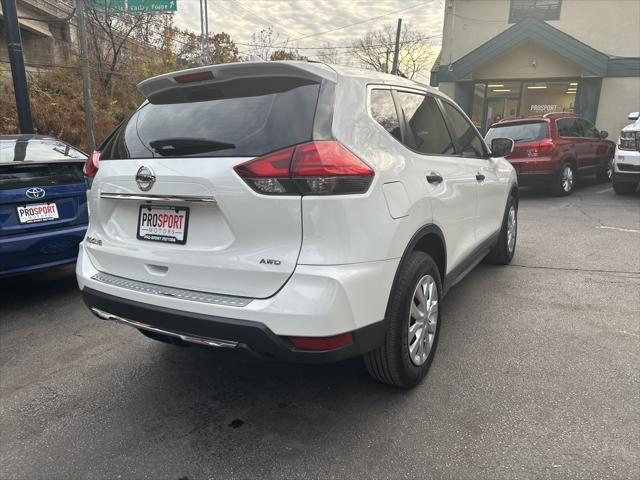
(187, 146)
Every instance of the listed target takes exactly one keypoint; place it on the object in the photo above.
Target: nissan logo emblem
(35, 193)
(145, 178)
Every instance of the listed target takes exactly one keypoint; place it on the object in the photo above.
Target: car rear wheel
(624, 188)
(502, 253)
(565, 182)
(413, 317)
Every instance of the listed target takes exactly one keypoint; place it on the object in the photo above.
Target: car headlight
(629, 141)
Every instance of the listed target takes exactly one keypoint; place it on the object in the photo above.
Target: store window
(539, 98)
(478, 104)
(542, 9)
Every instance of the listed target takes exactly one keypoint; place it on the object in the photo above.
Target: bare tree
(112, 30)
(328, 54)
(263, 44)
(375, 50)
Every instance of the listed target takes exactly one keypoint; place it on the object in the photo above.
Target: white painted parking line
(608, 189)
(631, 230)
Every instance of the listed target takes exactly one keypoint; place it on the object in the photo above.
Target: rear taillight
(629, 141)
(314, 168)
(542, 149)
(91, 165)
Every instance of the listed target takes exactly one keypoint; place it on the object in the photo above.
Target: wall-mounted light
(574, 84)
(502, 90)
(536, 87)
(497, 85)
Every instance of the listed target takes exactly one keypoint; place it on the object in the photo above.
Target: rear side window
(519, 132)
(568, 127)
(384, 112)
(468, 138)
(242, 117)
(426, 124)
(37, 150)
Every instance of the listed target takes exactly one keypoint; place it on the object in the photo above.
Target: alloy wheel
(567, 178)
(512, 229)
(423, 320)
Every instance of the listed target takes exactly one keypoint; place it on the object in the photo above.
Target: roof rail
(568, 114)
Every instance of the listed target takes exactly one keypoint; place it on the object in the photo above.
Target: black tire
(391, 363)
(624, 188)
(501, 254)
(605, 175)
(558, 188)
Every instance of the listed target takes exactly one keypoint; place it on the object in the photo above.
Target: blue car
(43, 203)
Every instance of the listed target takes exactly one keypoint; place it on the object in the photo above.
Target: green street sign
(107, 5)
(144, 6)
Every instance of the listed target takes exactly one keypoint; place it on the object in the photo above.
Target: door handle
(480, 177)
(434, 177)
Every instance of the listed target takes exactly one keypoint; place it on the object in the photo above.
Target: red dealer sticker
(38, 212)
(163, 224)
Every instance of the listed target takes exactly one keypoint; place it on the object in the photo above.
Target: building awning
(592, 62)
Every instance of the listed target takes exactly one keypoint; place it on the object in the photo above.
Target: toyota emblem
(35, 193)
(145, 178)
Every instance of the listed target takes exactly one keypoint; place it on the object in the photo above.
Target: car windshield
(518, 132)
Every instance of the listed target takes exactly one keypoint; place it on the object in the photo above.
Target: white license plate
(37, 212)
(163, 224)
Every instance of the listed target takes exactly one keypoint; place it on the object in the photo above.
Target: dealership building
(516, 58)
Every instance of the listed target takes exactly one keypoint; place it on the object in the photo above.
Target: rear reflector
(322, 343)
(194, 77)
(91, 165)
(314, 168)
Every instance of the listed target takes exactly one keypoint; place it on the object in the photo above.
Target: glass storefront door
(497, 100)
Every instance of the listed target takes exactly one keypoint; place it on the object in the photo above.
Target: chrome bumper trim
(180, 293)
(210, 342)
(160, 198)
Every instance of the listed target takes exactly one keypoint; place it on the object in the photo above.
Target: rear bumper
(317, 301)
(253, 337)
(40, 250)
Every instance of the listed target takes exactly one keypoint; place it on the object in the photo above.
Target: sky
(307, 23)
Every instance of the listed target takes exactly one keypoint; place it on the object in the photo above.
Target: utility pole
(86, 79)
(202, 44)
(14, 45)
(396, 52)
(206, 31)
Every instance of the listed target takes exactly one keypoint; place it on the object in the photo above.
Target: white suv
(626, 164)
(300, 211)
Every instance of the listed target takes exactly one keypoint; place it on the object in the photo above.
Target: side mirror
(604, 134)
(501, 147)
(634, 115)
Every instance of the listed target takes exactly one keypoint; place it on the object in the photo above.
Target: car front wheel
(503, 251)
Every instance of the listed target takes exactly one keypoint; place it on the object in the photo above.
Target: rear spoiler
(220, 73)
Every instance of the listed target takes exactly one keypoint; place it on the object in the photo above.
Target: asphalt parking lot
(536, 376)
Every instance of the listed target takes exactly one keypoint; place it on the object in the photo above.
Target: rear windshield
(36, 150)
(23, 175)
(518, 132)
(243, 117)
